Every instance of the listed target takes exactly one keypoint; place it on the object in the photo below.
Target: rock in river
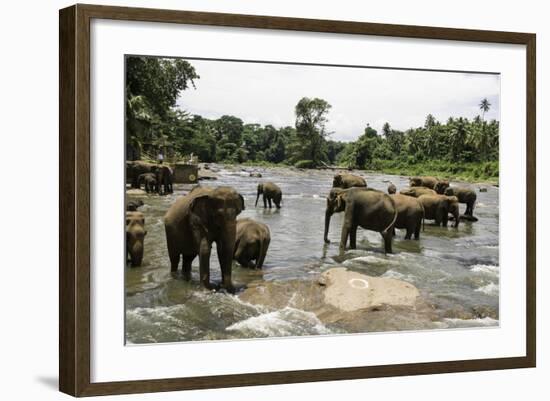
(351, 291)
(348, 301)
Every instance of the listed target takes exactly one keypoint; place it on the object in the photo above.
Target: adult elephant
(194, 222)
(137, 167)
(345, 181)
(165, 180)
(410, 214)
(425, 181)
(464, 195)
(441, 186)
(415, 192)
(252, 243)
(149, 180)
(270, 192)
(367, 208)
(135, 235)
(437, 207)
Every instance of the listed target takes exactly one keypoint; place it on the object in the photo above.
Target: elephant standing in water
(410, 214)
(345, 181)
(135, 235)
(149, 180)
(270, 192)
(362, 207)
(164, 177)
(252, 243)
(428, 182)
(464, 195)
(415, 192)
(438, 207)
(135, 168)
(194, 221)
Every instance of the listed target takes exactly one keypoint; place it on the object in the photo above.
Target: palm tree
(484, 106)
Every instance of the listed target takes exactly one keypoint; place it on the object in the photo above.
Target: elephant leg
(269, 201)
(417, 229)
(265, 200)
(387, 242)
(445, 219)
(353, 237)
(186, 269)
(409, 232)
(173, 254)
(204, 262)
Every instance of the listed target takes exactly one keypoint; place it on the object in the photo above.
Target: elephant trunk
(226, 249)
(328, 215)
(258, 197)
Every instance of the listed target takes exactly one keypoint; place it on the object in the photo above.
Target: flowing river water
(455, 270)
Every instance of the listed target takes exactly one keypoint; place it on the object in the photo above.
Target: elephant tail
(392, 224)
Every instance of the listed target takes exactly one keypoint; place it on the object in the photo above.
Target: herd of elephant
(208, 215)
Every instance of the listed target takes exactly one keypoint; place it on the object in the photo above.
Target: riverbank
(486, 172)
(474, 173)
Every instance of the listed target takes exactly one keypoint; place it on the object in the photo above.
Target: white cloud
(267, 93)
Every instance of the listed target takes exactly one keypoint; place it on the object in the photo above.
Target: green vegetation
(459, 148)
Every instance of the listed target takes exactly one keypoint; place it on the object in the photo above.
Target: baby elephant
(135, 234)
(270, 191)
(150, 181)
(252, 243)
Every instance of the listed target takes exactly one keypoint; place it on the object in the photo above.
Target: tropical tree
(311, 117)
(484, 106)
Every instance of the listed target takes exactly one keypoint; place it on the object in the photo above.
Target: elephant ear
(200, 205)
(340, 201)
(260, 188)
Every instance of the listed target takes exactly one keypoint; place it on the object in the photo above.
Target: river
(455, 270)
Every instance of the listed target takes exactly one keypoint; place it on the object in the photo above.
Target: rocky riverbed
(448, 279)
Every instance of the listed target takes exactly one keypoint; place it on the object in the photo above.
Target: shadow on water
(454, 268)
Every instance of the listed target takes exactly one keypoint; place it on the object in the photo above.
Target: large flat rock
(351, 291)
(348, 301)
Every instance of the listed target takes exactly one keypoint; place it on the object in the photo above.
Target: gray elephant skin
(164, 177)
(345, 181)
(410, 215)
(149, 180)
(194, 222)
(135, 236)
(464, 195)
(135, 168)
(270, 192)
(367, 208)
(437, 207)
(417, 191)
(252, 243)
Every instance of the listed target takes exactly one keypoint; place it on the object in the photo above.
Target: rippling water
(455, 270)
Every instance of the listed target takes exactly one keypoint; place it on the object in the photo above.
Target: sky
(267, 93)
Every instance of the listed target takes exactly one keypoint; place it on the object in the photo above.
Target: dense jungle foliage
(460, 148)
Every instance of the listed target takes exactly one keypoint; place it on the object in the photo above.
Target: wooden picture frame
(74, 199)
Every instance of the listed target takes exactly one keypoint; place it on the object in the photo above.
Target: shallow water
(456, 270)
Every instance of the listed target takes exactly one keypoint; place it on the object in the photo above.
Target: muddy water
(456, 270)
